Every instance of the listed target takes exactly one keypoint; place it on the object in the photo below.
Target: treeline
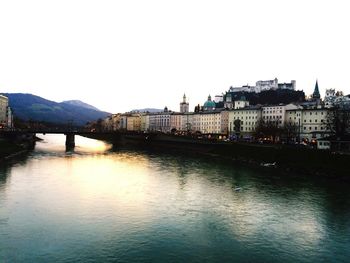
(272, 97)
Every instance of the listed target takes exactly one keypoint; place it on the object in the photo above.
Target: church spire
(316, 94)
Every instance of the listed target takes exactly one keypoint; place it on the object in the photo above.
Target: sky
(124, 55)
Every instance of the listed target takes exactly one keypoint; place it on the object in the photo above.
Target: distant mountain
(80, 104)
(147, 110)
(31, 107)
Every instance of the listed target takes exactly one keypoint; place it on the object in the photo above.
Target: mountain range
(31, 107)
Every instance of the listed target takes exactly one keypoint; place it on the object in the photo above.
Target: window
(304, 128)
(316, 128)
(309, 128)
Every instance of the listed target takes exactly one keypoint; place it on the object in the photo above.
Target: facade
(145, 122)
(224, 122)
(187, 121)
(176, 121)
(276, 113)
(160, 121)
(242, 103)
(248, 118)
(4, 103)
(133, 122)
(210, 122)
(311, 123)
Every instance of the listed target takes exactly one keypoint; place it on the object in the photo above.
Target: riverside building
(3, 111)
(244, 120)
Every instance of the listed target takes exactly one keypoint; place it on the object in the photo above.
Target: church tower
(184, 105)
(316, 94)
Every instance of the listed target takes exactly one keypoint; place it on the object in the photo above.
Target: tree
(338, 120)
(290, 131)
(237, 126)
(268, 129)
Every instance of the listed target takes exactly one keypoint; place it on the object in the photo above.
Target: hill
(271, 97)
(80, 104)
(31, 107)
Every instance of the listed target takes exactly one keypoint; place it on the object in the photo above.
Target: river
(103, 204)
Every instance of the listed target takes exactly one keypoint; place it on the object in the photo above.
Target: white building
(160, 121)
(311, 123)
(241, 103)
(218, 98)
(4, 103)
(263, 85)
(276, 113)
(248, 118)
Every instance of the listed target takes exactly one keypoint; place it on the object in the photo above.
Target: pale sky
(122, 55)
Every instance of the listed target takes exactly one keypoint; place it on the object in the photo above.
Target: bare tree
(338, 121)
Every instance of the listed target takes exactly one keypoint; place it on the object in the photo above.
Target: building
(184, 105)
(224, 122)
(219, 98)
(176, 120)
(160, 121)
(9, 116)
(329, 98)
(311, 123)
(263, 85)
(4, 103)
(243, 121)
(133, 122)
(276, 114)
(145, 122)
(241, 103)
(208, 122)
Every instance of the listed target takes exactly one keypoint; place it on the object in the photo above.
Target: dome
(209, 104)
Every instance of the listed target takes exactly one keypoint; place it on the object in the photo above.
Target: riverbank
(12, 147)
(292, 159)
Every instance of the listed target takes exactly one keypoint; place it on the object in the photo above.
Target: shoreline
(306, 162)
(11, 148)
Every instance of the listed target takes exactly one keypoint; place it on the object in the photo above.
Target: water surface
(95, 204)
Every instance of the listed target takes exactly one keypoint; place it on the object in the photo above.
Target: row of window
(244, 112)
(267, 112)
(315, 128)
(272, 117)
(315, 120)
(246, 117)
